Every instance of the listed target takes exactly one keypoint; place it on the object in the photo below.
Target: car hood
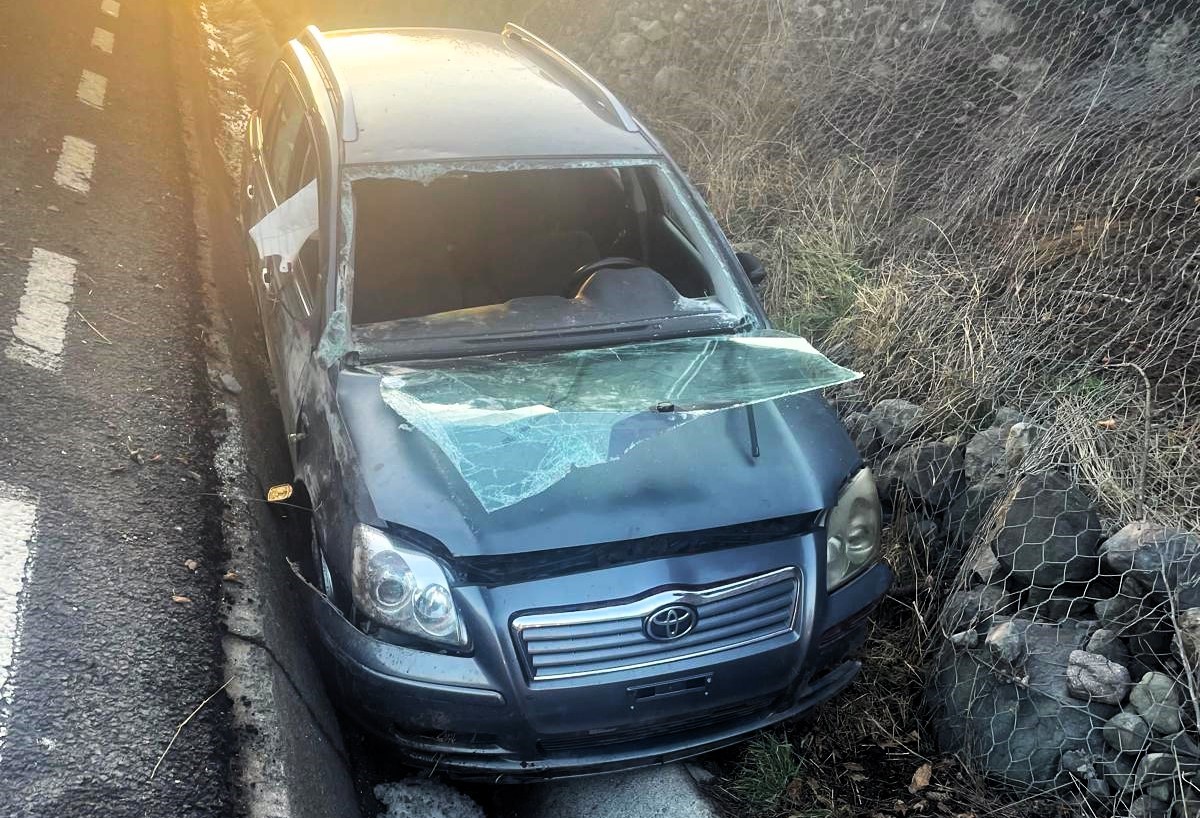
(698, 475)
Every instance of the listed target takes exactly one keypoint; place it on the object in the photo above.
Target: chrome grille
(602, 640)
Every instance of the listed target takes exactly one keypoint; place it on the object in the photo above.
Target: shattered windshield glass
(515, 424)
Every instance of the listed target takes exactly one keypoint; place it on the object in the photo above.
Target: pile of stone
(1068, 659)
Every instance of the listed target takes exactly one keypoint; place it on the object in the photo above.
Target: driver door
(287, 162)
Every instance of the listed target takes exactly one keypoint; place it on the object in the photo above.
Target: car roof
(422, 94)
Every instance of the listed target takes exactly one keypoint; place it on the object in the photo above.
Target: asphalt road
(110, 558)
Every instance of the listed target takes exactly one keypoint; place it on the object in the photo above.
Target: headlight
(404, 589)
(852, 530)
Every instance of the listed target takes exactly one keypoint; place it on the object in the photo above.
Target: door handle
(249, 191)
(268, 279)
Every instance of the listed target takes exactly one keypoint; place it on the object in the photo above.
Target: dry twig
(184, 723)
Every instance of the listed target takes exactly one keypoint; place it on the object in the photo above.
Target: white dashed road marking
(41, 325)
(18, 512)
(103, 40)
(92, 88)
(75, 163)
(110, 7)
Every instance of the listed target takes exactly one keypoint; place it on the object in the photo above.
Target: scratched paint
(110, 7)
(41, 325)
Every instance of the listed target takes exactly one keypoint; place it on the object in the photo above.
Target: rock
(1180, 746)
(672, 80)
(981, 563)
(1016, 729)
(1092, 677)
(1186, 807)
(1056, 604)
(1145, 806)
(1127, 732)
(1006, 643)
(1156, 776)
(1186, 642)
(1115, 612)
(1155, 558)
(992, 18)
(854, 422)
(1058, 608)
(971, 509)
(998, 63)
(1050, 533)
(653, 30)
(230, 384)
(1006, 416)
(1081, 765)
(1156, 699)
(626, 45)
(1117, 551)
(1117, 771)
(1017, 443)
(965, 639)
(896, 420)
(868, 441)
(931, 472)
(919, 530)
(1108, 644)
(973, 608)
(1078, 763)
(985, 453)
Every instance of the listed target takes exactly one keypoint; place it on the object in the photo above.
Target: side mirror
(753, 268)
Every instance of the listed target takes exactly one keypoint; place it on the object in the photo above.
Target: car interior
(548, 239)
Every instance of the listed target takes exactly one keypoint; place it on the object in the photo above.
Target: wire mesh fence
(990, 208)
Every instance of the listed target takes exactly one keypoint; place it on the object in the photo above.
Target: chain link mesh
(983, 204)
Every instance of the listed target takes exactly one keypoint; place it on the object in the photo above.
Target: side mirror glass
(753, 268)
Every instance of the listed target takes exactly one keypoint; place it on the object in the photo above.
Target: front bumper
(449, 712)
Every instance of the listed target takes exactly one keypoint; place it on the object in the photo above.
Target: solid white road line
(41, 325)
(18, 513)
(92, 87)
(110, 7)
(75, 164)
(103, 40)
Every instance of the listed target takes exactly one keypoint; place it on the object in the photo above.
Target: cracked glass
(515, 424)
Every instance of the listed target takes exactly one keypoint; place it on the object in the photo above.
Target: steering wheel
(608, 262)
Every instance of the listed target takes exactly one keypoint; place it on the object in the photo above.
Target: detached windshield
(515, 424)
(475, 252)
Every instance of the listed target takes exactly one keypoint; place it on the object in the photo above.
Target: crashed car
(575, 505)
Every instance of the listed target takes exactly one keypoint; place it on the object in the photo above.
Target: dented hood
(502, 454)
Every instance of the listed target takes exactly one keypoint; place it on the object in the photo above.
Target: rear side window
(308, 265)
(280, 144)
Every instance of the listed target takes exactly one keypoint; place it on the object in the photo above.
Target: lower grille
(607, 639)
(711, 720)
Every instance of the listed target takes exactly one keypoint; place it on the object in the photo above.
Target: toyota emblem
(671, 622)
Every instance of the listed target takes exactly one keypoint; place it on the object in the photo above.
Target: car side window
(269, 102)
(283, 131)
(308, 267)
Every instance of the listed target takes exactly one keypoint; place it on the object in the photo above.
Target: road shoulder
(290, 760)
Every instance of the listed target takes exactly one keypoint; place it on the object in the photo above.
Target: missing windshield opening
(501, 251)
